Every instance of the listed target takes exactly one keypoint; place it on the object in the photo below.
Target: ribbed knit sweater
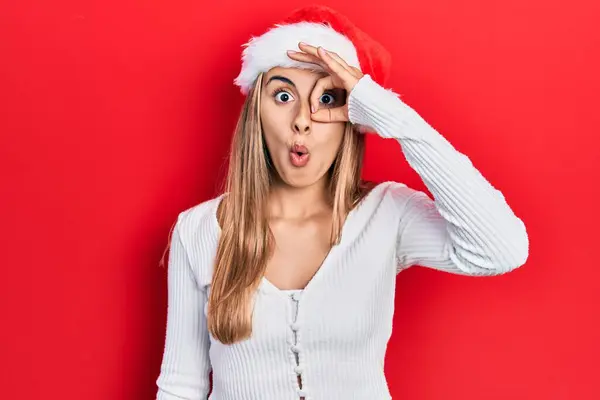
(334, 333)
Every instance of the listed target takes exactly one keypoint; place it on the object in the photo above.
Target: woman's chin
(298, 179)
(299, 182)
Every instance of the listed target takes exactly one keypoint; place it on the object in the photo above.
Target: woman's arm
(469, 229)
(185, 366)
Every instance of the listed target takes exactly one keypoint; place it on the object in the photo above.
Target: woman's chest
(343, 305)
(299, 252)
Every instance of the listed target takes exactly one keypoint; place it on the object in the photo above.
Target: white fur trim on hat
(270, 49)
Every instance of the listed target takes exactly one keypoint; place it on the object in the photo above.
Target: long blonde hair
(246, 242)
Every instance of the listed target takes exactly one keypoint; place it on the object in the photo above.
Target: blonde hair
(246, 242)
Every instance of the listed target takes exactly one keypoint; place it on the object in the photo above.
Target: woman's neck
(286, 201)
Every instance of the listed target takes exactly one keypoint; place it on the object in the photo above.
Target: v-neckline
(269, 287)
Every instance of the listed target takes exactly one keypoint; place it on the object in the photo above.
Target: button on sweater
(334, 333)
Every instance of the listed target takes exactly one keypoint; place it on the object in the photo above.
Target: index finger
(322, 85)
(331, 63)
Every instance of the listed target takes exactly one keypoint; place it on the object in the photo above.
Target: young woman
(283, 285)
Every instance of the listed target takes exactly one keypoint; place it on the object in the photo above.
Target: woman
(283, 286)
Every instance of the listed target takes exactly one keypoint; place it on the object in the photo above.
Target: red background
(116, 116)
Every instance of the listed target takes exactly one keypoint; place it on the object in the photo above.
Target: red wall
(116, 115)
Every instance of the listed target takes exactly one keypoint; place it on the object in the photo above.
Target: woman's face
(301, 149)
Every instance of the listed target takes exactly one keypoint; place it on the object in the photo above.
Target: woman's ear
(363, 129)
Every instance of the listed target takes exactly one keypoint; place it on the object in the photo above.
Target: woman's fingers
(357, 72)
(322, 85)
(308, 58)
(332, 64)
(335, 66)
(337, 114)
(352, 71)
(340, 60)
(341, 76)
(327, 113)
(307, 48)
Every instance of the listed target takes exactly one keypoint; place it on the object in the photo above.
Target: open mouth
(299, 149)
(299, 155)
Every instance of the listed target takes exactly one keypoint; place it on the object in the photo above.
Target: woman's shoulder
(390, 199)
(198, 228)
(396, 192)
(199, 218)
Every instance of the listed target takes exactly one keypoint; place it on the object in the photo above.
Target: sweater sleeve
(468, 228)
(185, 367)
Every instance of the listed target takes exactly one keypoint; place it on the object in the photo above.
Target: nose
(302, 122)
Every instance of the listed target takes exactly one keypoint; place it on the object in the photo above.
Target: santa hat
(318, 26)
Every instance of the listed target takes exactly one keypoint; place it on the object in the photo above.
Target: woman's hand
(341, 76)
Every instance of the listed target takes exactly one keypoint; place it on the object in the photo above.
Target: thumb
(337, 114)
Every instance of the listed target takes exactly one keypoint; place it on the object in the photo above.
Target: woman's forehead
(299, 76)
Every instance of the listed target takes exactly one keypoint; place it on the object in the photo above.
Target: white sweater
(338, 327)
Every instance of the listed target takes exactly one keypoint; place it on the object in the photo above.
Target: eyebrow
(280, 78)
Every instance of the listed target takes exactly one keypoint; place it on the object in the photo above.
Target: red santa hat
(318, 26)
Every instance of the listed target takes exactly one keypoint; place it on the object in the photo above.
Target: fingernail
(312, 109)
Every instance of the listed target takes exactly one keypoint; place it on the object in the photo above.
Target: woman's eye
(327, 98)
(283, 97)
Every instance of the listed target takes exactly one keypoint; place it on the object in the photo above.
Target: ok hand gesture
(341, 76)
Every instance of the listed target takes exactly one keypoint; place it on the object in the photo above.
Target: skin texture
(300, 215)
(308, 108)
(286, 120)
